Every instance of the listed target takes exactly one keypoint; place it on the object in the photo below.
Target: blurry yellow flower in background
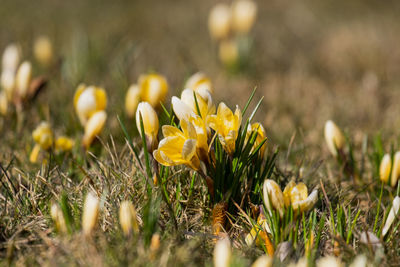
(132, 100)
(43, 50)
(243, 15)
(23, 79)
(10, 61)
(90, 213)
(150, 124)
(219, 21)
(3, 103)
(297, 196)
(385, 168)
(222, 253)
(153, 88)
(226, 124)
(88, 100)
(58, 218)
(93, 127)
(64, 144)
(395, 169)
(43, 137)
(334, 137)
(392, 215)
(199, 81)
(260, 136)
(228, 52)
(178, 147)
(127, 218)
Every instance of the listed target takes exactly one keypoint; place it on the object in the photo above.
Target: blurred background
(312, 60)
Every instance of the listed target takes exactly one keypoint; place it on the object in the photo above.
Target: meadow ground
(312, 61)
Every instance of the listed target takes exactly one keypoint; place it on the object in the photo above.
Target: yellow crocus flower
(384, 168)
(93, 127)
(226, 124)
(186, 105)
(334, 137)
(23, 79)
(64, 144)
(3, 103)
(11, 57)
(43, 137)
(178, 147)
(392, 215)
(127, 218)
(132, 100)
(153, 88)
(222, 253)
(260, 136)
(88, 100)
(228, 52)
(150, 124)
(43, 50)
(58, 218)
(243, 15)
(90, 213)
(297, 196)
(219, 21)
(273, 197)
(199, 81)
(395, 169)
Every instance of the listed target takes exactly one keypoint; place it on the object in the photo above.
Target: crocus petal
(189, 149)
(392, 215)
(181, 109)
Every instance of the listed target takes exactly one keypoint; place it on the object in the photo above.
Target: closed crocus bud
(3, 103)
(58, 218)
(150, 124)
(132, 100)
(93, 127)
(219, 21)
(334, 137)
(384, 168)
(43, 50)
(273, 197)
(8, 82)
(394, 212)
(23, 78)
(222, 253)
(228, 52)
(90, 213)
(127, 218)
(199, 81)
(396, 169)
(263, 261)
(153, 89)
(88, 100)
(243, 15)
(64, 144)
(11, 58)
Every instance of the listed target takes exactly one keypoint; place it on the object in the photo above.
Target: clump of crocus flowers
(90, 103)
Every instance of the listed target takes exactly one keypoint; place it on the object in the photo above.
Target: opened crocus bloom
(199, 81)
(150, 124)
(297, 196)
(394, 211)
(334, 137)
(226, 124)
(88, 100)
(132, 100)
(178, 147)
(186, 106)
(43, 137)
(257, 127)
(153, 89)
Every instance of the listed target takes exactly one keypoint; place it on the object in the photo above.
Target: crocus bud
(222, 253)
(396, 169)
(132, 100)
(88, 100)
(43, 50)
(228, 52)
(90, 213)
(199, 81)
(150, 124)
(43, 135)
(334, 137)
(8, 82)
(58, 218)
(23, 78)
(3, 103)
(11, 57)
(219, 21)
(384, 168)
(153, 89)
(243, 15)
(263, 261)
(392, 215)
(93, 127)
(127, 218)
(64, 144)
(273, 197)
